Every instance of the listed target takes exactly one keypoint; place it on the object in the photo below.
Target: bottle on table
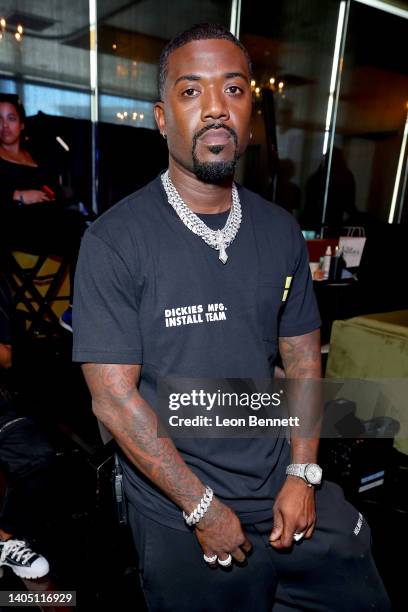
(326, 262)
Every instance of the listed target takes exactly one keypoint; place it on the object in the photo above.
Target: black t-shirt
(139, 260)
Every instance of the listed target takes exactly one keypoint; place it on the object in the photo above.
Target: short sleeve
(300, 314)
(105, 309)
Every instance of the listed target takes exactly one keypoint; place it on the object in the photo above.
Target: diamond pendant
(220, 239)
(221, 247)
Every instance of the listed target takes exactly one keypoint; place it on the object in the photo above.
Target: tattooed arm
(302, 365)
(117, 403)
(294, 508)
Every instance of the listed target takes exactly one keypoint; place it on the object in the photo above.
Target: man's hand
(293, 512)
(220, 533)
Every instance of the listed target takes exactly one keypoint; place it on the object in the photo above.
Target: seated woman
(32, 216)
(22, 181)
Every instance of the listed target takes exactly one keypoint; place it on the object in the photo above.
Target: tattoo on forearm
(134, 425)
(301, 355)
(301, 359)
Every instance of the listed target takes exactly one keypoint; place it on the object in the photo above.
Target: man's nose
(214, 105)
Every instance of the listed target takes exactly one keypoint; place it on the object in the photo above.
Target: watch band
(311, 473)
(297, 469)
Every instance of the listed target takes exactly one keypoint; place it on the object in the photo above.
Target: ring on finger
(211, 559)
(225, 562)
(298, 536)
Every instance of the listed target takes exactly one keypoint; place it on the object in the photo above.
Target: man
(25, 459)
(186, 242)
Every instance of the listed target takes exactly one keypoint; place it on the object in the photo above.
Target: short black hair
(200, 31)
(15, 101)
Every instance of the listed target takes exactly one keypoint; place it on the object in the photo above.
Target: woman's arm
(30, 196)
(5, 356)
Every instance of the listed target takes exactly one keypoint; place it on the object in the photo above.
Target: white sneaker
(24, 562)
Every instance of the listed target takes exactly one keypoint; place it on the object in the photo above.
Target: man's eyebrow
(232, 75)
(187, 77)
(196, 77)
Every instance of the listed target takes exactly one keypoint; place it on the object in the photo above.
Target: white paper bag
(352, 249)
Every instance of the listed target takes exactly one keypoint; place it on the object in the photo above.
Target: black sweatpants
(26, 458)
(332, 572)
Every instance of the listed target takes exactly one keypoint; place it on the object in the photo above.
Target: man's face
(206, 109)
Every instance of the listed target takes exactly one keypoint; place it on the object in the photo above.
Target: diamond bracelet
(201, 508)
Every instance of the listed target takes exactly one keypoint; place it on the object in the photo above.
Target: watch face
(313, 473)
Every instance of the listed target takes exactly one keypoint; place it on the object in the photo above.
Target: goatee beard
(214, 172)
(218, 171)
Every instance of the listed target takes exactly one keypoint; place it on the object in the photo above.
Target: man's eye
(234, 89)
(189, 92)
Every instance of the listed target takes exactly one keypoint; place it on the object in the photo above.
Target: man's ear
(159, 115)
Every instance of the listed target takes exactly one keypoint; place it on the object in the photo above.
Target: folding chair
(40, 285)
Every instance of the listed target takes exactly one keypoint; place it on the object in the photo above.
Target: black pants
(26, 459)
(332, 572)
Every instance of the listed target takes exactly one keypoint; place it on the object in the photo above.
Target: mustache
(214, 126)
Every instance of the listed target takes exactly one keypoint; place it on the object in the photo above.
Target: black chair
(26, 282)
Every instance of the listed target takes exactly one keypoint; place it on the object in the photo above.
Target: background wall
(290, 41)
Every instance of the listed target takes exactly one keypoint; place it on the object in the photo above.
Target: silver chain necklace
(220, 239)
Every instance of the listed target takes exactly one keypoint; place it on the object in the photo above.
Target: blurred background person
(33, 217)
(341, 207)
(288, 194)
(25, 461)
(22, 180)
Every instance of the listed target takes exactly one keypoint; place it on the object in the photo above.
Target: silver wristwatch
(311, 473)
